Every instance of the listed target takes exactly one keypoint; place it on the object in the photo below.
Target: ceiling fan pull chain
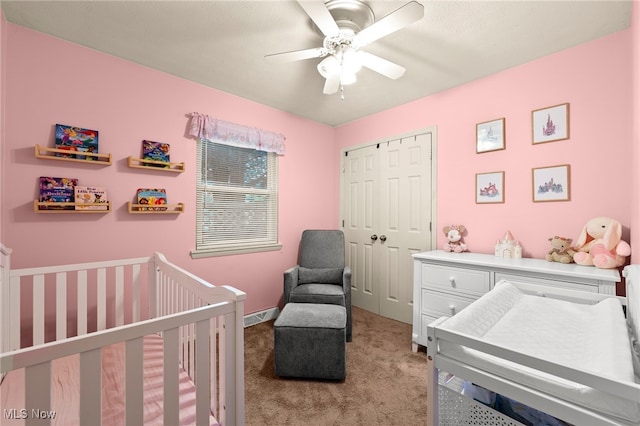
(341, 92)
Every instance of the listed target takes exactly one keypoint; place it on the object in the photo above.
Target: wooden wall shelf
(37, 207)
(91, 158)
(147, 209)
(163, 166)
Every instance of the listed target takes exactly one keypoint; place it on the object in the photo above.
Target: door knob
(383, 238)
(374, 237)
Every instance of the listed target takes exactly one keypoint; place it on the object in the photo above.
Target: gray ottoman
(309, 341)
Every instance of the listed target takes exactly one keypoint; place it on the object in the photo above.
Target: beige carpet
(385, 383)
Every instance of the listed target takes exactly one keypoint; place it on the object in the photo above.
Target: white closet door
(405, 216)
(387, 193)
(361, 174)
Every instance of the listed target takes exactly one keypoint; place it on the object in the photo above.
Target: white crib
(123, 304)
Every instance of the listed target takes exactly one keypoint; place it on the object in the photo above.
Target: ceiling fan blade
(406, 15)
(380, 65)
(332, 84)
(320, 15)
(296, 55)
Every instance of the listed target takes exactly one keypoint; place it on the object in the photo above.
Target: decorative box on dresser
(446, 282)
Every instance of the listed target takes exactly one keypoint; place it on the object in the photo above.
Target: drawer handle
(452, 281)
(452, 308)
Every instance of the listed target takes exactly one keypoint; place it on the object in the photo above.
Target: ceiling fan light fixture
(347, 78)
(351, 61)
(329, 66)
(345, 66)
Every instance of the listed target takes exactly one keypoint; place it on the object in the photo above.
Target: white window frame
(232, 246)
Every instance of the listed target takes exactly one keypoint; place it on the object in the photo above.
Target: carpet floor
(385, 383)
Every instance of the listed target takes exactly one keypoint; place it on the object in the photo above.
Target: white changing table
(446, 282)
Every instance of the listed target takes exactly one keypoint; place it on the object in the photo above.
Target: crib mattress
(65, 388)
(591, 338)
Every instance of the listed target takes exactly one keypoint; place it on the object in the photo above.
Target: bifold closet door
(387, 215)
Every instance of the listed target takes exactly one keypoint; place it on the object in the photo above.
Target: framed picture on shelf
(550, 124)
(490, 136)
(489, 188)
(551, 183)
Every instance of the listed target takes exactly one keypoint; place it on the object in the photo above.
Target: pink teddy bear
(600, 244)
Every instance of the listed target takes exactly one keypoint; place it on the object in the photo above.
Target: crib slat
(134, 386)
(152, 288)
(182, 335)
(102, 299)
(202, 377)
(135, 279)
(61, 305)
(170, 370)
(192, 331)
(15, 313)
(91, 387)
(38, 309)
(213, 362)
(82, 302)
(119, 296)
(37, 392)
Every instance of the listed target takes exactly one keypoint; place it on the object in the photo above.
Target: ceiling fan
(348, 26)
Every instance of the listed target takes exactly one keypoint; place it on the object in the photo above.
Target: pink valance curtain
(204, 127)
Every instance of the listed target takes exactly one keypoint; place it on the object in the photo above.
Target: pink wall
(635, 156)
(3, 39)
(50, 81)
(594, 78)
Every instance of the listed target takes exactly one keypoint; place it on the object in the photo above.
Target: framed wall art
(490, 187)
(490, 136)
(550, 124)
(551, 183)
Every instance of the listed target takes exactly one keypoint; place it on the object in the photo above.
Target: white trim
(261, 316)
(198, 254)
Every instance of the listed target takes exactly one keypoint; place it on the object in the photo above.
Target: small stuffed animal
(561, 250)
(600, 244)
(454, 238)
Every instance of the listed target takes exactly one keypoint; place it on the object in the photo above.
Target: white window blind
(237, 200)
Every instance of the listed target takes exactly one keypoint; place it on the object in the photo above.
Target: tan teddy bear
(561, 250)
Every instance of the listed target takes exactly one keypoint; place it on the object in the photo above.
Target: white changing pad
(590, 338)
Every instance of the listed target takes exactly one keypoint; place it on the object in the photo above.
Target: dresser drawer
(439, 304)
(543, 281)
(456, 279)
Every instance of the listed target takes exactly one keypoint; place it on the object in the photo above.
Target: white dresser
(445, 282)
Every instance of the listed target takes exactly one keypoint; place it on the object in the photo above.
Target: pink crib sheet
(65, 389)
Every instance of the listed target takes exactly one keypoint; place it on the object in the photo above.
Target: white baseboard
(262, 316)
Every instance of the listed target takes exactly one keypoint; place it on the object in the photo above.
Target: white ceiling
(222, 44)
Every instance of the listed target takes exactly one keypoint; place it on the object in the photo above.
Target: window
(237, 200)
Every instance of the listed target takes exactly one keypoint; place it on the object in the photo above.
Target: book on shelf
(57, 190)
(152, 199)
(76, 140)
(90, 195)
(155, 151)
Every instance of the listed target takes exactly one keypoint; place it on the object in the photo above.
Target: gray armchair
(321, 275)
